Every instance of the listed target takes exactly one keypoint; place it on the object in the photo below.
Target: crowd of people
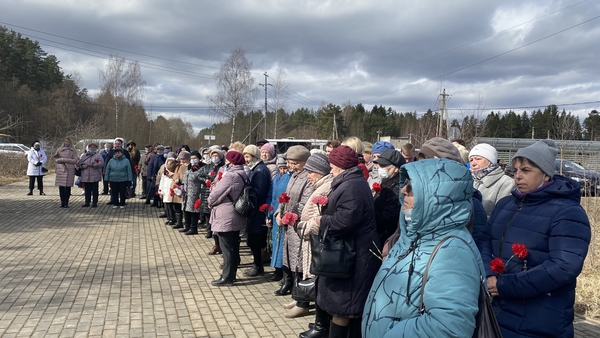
(525, 238)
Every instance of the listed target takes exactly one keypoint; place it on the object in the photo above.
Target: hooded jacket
(442, 207)
(537, 294)
(33, 157)
(493, 187)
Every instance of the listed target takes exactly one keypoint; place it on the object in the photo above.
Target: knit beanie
(542, 154)
(380, 146)
(488, 152)
(235, 157)
(343, 157)
(464, 153)
(184, 155)
(297, 153)
(318, 163)
(438, 147)
(281, 162)
(252, 150)
(268, 147)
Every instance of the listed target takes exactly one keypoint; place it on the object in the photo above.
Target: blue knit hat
(380, 146)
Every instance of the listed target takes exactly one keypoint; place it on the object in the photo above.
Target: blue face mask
(91, 152)
(194, 162)
(165, 155)
(216, 160)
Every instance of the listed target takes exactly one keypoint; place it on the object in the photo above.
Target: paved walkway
(104, 272)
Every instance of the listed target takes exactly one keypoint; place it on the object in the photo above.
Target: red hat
(343, 157)
(235, 157)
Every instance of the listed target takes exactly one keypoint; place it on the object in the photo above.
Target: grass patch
(14, 169)
(587, 298)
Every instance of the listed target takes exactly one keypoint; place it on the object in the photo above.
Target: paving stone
(82, 272)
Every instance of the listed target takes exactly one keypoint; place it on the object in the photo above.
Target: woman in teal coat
(436, 203)
(280, 182)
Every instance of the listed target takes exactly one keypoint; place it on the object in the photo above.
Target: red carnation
(289, 219)
(171, 192)
(220, 176)
(271, 208)
(135, 167)
(376, 187)
(208, 183)
(284, 198)
(41, 155)
(497, 265)
(197, 204)
(212, 173)
(97, 160)
(263, 208)
(520, 250)
(320, 200)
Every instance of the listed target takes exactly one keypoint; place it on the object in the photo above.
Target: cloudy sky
(400, 54)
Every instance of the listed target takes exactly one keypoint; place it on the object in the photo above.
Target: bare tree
(235, 88)
(473, 124)
(10, 122)
(279, 94)
(123, 82)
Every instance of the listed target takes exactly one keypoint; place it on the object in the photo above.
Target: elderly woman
(118, 174)
(269, 157)
(65, 159)
(225, 221)
(191, 194)
(278, 186)
(318, 169)
(350, 214)
(299, 190)
(91, 164)
(36, 159)
(387, 203)
(164, 179)
(208, 175)
(181, 166)
(256, 230)
(535, 292)
(488, 176)
(437, 192)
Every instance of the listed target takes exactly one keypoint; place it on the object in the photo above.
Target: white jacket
(33, 157)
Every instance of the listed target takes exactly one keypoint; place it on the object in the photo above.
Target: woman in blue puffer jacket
(436, 203)
(534, 296)
(118, 174)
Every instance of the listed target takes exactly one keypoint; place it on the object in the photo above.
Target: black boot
(193, 230)
(179, 223)
(321, 327)
(336, 331)
(277, 275)
(288, 282)
(209, 233)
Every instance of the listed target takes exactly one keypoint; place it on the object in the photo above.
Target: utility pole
(443, 115)
(266, 85)
(334, 134)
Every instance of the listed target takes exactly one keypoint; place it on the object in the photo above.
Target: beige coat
(308, 222)
(178, 180)
(299, 189)
(65, 160)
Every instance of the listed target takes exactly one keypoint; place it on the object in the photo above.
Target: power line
(528, 107)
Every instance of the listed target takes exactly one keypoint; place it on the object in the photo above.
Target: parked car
(589, 179)
(14, 149)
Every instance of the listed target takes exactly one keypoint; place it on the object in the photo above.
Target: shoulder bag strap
(426, 273)
(229, 196)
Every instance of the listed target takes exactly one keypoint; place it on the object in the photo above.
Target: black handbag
(332, 256)
(303, 290)
(44, 170)
(247, 203)
(77, 171)
(486, 324)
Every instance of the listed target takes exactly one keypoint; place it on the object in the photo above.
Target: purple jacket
(223, 216)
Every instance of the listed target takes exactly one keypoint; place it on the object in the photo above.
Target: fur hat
(318, 163)
(235, 157)
(218, 152)
(298, 153)
(542, 154)
(488, 152)
(438, 147)
(252, 150)
(270, 148)
(343, 157)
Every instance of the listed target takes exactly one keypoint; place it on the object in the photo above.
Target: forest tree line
(39, 102)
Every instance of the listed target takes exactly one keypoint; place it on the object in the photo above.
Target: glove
(38, 164)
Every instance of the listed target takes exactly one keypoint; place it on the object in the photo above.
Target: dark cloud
(398, 54)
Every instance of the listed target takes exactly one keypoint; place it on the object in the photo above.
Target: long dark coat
(350, 213)
(207, 173)
(387, 207)
(191, 186)
(260, 180)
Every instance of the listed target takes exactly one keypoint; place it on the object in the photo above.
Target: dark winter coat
(207, 173)
(537, 294)
(387, 207)
(260, 180)
(191, 186)
(480, 230)
(350, 214)
(153, 166)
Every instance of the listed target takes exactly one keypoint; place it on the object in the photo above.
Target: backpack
(247, 203)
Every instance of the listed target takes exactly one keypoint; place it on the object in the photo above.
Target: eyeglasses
(408, 185)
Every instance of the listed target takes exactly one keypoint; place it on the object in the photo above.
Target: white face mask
(407, 216)
(383, 173)
(194, 161)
